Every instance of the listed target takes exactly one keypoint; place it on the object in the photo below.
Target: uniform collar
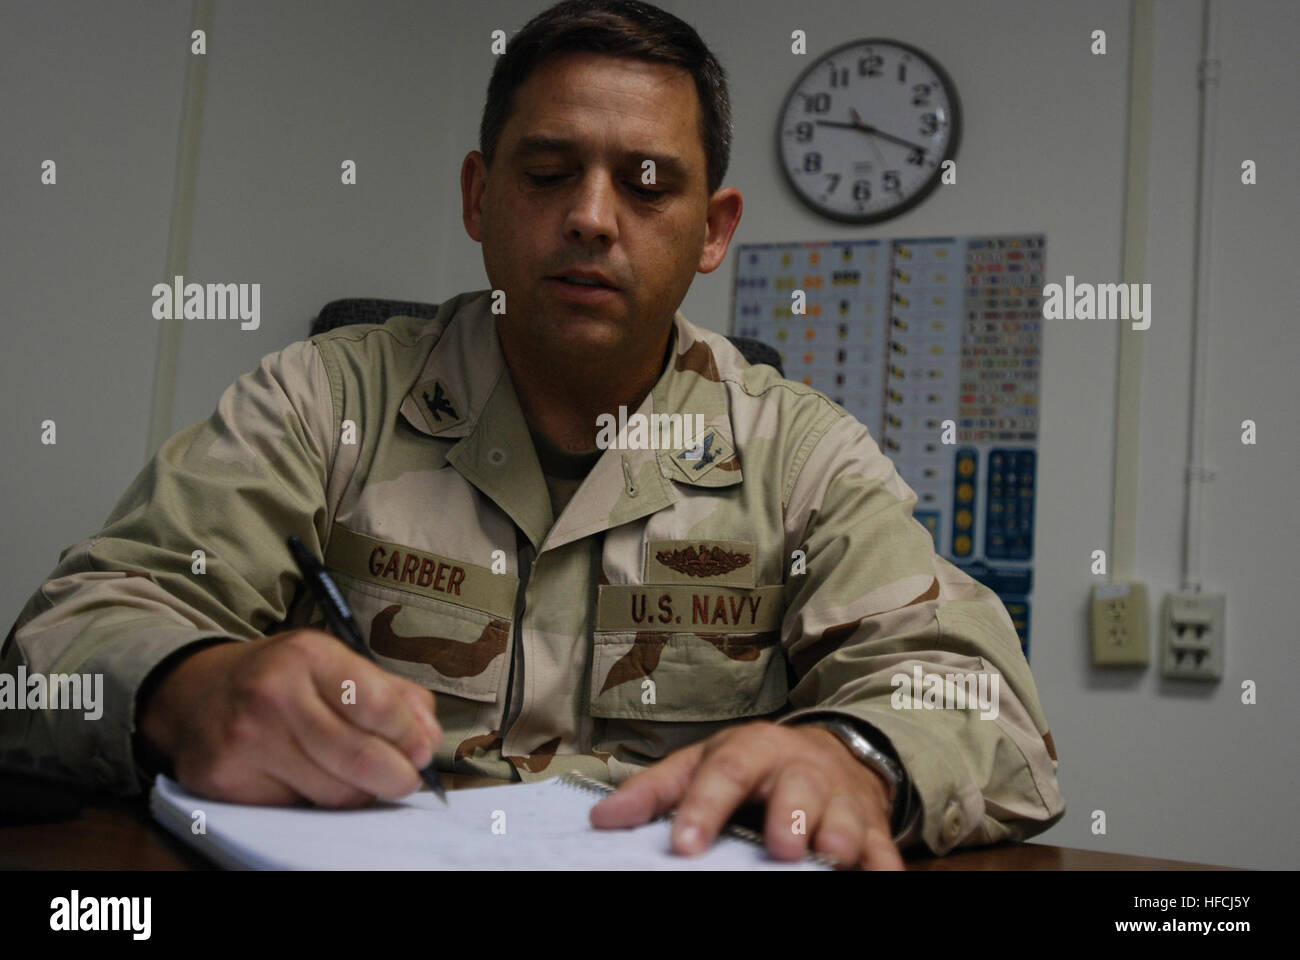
(465, 392)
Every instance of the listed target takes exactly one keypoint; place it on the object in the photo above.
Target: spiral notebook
(527, 826)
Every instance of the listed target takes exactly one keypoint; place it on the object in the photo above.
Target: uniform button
(952, 822)
(496, 456)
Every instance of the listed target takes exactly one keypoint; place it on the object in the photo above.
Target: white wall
(1188, 771)
(97, 93)
(295, 88)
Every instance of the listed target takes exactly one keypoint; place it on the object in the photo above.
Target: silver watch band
(890, 770)
(865, 751)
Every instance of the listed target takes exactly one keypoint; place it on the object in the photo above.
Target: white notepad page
(540, 826)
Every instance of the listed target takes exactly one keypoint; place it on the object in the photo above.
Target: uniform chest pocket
(439, 621)
(682, 653)
(441, 645)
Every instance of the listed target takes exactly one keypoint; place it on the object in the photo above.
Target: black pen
(345, 627)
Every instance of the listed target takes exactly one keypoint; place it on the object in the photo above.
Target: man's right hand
(265, 722)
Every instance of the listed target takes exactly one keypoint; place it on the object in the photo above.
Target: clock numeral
(892, 183)
(902, 73)
(839, 76)
(816, 103)
(803, 131)
(812, 162)
(834, 179)
(869, 66)
(916, 156)
(921, 95)
(929, 124)
(861, 190)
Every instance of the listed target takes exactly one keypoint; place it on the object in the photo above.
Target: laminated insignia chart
(905, 334)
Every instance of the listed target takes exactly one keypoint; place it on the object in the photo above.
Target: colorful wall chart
(905, 334)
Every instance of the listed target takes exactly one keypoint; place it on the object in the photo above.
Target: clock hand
(906, 143)
(879, 157)
(868, 128)
(870, 142)
(880, 133)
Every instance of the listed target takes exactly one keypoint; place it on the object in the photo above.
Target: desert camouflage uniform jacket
(777, 575)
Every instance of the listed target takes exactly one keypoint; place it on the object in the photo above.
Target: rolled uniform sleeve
(123, 601)
(877, 602)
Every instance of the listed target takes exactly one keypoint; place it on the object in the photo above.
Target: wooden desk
(121, 835)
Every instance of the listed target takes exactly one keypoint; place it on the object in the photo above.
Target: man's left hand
(792, 769)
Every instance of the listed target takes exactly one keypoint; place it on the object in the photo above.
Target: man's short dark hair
(619, 28)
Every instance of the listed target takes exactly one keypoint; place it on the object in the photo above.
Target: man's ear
(473, 184)
(725, 208)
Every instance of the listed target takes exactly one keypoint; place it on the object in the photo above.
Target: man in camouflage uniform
(718, 616)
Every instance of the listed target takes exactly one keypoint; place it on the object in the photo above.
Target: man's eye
(543, 180)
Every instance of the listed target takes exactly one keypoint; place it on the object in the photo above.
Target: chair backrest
(340, 313)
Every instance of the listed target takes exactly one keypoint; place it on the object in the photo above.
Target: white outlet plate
(1119, 625)
(1191, 635)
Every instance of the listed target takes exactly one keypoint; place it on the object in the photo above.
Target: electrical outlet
(1192, 635)
(1119, 625)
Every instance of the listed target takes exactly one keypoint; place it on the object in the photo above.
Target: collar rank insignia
(702, 454)
(436, 405)
(713, 451)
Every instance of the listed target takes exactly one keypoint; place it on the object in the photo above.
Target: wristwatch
(890, 770)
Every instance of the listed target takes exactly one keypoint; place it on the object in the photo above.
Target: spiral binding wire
(581, 781)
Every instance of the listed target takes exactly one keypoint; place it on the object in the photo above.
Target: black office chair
(340, 313)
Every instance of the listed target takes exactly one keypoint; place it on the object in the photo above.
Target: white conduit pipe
(1128, 386)
(1196, 474)
(180, 230)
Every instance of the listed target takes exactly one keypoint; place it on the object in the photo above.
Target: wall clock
(865, 130)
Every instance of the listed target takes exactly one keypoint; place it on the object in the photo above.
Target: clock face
(864, 132)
